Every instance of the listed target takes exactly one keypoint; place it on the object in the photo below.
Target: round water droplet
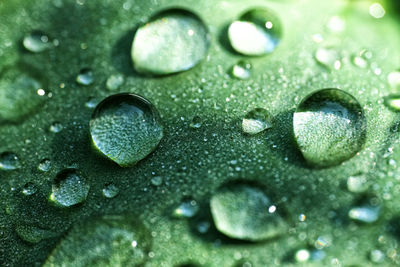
(394, 80)
(105, 241)
(85, 77)
(240, 211)
(256, 121)
(377, 11)
(257, 32)
(110, 190)
(187, 209)
(393, 102)
(172, 41)
(329, 127)
(126, 128)
(44, 165)
(241, 70)
(302, 255)
(69, 188)
(361, 60)
(36, 42)
(29, 189)
(196, 122)
(114, 82)
(328, 57)
(18, 94)
(9, 161)
(157, 180)
(56, 127)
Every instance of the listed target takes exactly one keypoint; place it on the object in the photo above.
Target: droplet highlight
(256, 121)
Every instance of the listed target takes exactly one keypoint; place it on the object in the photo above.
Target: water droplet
(256, 121)
(187, 209)
(196, 122)
(44, 165)
(69, 188)
(357, 184)
(18, 94)
(110, 190)
(33, 234)
(302, 217)
(328, 57)
(257, 32)
(365, 213)
(377, 11)
(56, 127)
(302, 255)
(126, 128)
(36, 42)
(105, 241)
(329, 127)
(85, 77)
(394, 80)
(9, 161)
(157, 180)
(361, 60)
(377, 256)
(29, 189)
(240, 211)
(241, 70)
(336, 24)
(92, 102)
(114, 82)
(172, 41)
(393, 102)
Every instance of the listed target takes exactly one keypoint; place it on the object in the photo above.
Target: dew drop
(241, 70)
(186, 209)
(172, 41)
(377, 11)
(394, 80)
(69, 188)
(110, 190)
(106, 241)
(329, 127)
(328, 57)
(157, 180)
(29, 189)
(9, 161)
(36, 42)
(92, 102)
(33, 234)
(114, 82)
(196, 122)
(85, 77)
(393, 102)
(257, 32)
(240, 211)
(56, 127)
(44, 165)
(377, 256)
(256, 121)
(365, 213)
(361, 60)
(302, 255)
(125, 128)
(357, 183)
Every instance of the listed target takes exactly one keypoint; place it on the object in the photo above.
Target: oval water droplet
(172, 41)
(44, 165)
(328, 57)
(56, 127)
(36, 42)
(196, 122)
(106, 241)
(9, 161)
(114, 82)
(257, 32)
(329, 127)
(85, 77)
(157, 180)
(393, 102)
(243, 211)
(256, 121)
(365, 213)
(33, 234)
(69, 188)
(361, 60)
(241, 70)
(126, 128)
(29, 189)
(110, 190)
(186, 209)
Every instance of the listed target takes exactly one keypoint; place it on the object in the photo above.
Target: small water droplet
(256, 121)
(44, 165)
(302, 217)
(9, 161)
(106, 241)
(328, 57)
(114, 82)
(329, 127)
(110, 190)
(241, 70)
(377, 11)
(394, 80)
(29, 189)
(365, 213)
(157, 180)
(393, 102)
(172, 41)
(92, 102)
(361, 60)
(33, 234)
(196, 122)
(377, 256)
(126, 128)
(56, 127)
(257, 32)
(240, 211)
(302, 255)
(69, 188)
(85, 77)
(186, 209)
(36, 42)
(357, 183)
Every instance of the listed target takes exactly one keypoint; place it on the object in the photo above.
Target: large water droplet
(9, 161)
(36, 42)
(257, 32)
(256, 121)
(106, 241)
(126, 128)
(244, 212)
(172, 41)
(329, 127)
(241, 70)
(85, 77)
(69, 188)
